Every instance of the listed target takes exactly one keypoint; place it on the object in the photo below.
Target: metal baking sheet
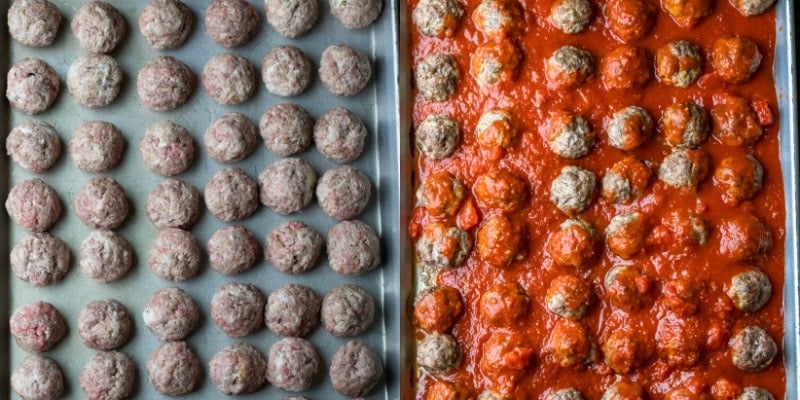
(376, 105)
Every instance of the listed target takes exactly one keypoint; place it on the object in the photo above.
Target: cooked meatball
(734, 121)
(437, 76)
(231, 195)
(94, 80)
(622, 390)
(355, 369)
(32, 85)
(356, 14)
(167, 148)
(293, 364)
(497, 128)
(574, 244)
(752, 349)
(627, 288)
(441, 194)
(441, 247)
(685, 125)
(573, 190)
(105, 325)
(625, 233)
(444, 390)
(685, 229)
(494, 63)
(506, 353)
(101, 203)
(678, 63)
(500, 189)
(568, 296)
(353, 248)
(343, 70)
(99, 27)
(343, 192)
(171, 314)
(37, 327)
(629, 127)
(735, 59)
(570, 344)
(625, 67)
(439, 354)
(34, 205)
(37, 377)
(750, 290)
(339, 135)
(687, 13)
(571, 16)
(293, 247)
(238, 309)
(504, 305)
(232, 249)
(498, 19)
(40, 259)
(231, 23)
(569, 135)
(491, 395)
(96, 146)
(173, 204)
(287, 185)
(33, 23)
(173, 369)
(500, 241)
(684, 169)
(437, 18)
(292, 19)
(630, 20)
(230, 138)
(293, 310)
(286, 71)
(109, 375)
(229, 79)
(175, 255)
(238, 368)
(34, 145)
(682, 296)
(437, 136)
(749, 8)
(568, 67)
(679, 341)
(627, 179)
(683, 393)
(739, 177)
(166, 24)
(625, 350)
(437, 309)
(565, 394)
(347, 310)
(286, 129)
(164, 83)
(755, 393)
(744, 236)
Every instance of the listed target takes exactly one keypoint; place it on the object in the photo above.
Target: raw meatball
(94, 80)
(622, 390)
(504, 305)
(33, 23)
(34, 145)
(506, 353)
(750, 290)
(167, 148)
(755, 393)
(682, 296)
(497, 128)
(166, 24)
(231, 23)
(339, 135)
(568, 296)
(101, 203)
(627, 288)
(571, 16)
(625, 350)
(629, 127)
(684, 169)
(173, 369)
(109, 375)
(570, 344)
(238, 309)
(105, 325)
(231, 195)
(441, 194)
(34, 205)
(38, 378)
(494, 63)
(678, 63)
(565, 394)
(436, 77)
(353, 248)
(630, 20)
(568, 67)
(437, 309)
(347, 310)
(343, 193)
(735, 58)
(500, 241)
(229, 79)
(437, 136)
(439, 354)
(99, 27)
(749, 8)
(437, 18)
(292, 19)
(752, 349)
(626, 233)
(343, 70)
(32, 85)
(356, 14)
(171, 314)
(231, 138)
(293, 310)
(574, 244)
(293, 247)
(286, 129)
(572, 191)
(685, 125)
(173, 204)
(569, 135)
(739, 177)
(355, 369)
(626, 179)
(37, 327)
(164, 83)
(441, 247)
(498, 19)
(626, 67)
(286, 71)
(287, 185)
(232, 249)
(40, 259)
(96, 146)
(293, 364)
(734, 121)
(687, 13)
(238, 368)
(744, 236)
(175, 255)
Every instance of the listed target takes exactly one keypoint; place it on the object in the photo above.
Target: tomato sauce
(663, 258)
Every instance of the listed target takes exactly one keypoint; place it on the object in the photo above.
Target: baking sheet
(376, 105)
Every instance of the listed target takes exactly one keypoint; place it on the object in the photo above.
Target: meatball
(627, 179)
(292, 19)
(565, 394)
(500, 189)
(441, 194)
(749, 8)
(441, 247)
(293, 247)
(625, 350)
(287, 185)
(491, 395)
(444, 390)
(439, 354)
(232, 250)
(629, 127)
(626, 233)
(230, 138)
(175, 255)
(686, 229)
(437, 136)
(506, 353)
(630, 20)
(173, 369)
(96, 146)
(494, 63)
(293, 310)
(687, 13)
(99, 27)
(571, 16)
(339, 135)
(685, 125)
(755, 393)
(32, 85)
(229, 79)
(171, 314)
(238, 309)
(238, 368)
(34, 145)
(570, 344)
(498, 19)
(231, 195)
(347, 310)
(679, 341)
(40, 259)
(684, 169)
(34, 205)
(286, 129)
(500, 241)
(739, 177)
(173, 204)
(353, 248)
(744, 236)
(573, 190)
(437, 18)
(94, 80)
(682, 296)
(678, 63)
(750, 290)
(293, 364)
(436, 77)
(625, 67)
(355, 369)
(343, 192)
(752, 349)
(164, 83)
(37, 377)
(37, 327)
(622, 390)
(569, 135)
(33, 23)
(497, 128)
(568, 296)
(735, 59)
(683, 393)
(286, 71)
(734, 121)
(167, 148)
(109, 375)
(438, 308)
(568, 67)
(102, 203)
(343, 70)
(356, 14)
(166, 24)
(105, 325)
(574, 244)
(627, 288)
(504, 305)
(231, 23)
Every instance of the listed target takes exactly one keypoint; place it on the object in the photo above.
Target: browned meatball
(500, 241)
(681, 230)
(744, 236)
(752, 349)
(504, 304)
(437, 76)
(444, 390)
(574, 244)
(687, 13)
(497, 128)
(678, 63)
(684, 169)
(626, 179)
(573, 190)
(739, 177)
(625, 234)
(495, 63)
(441, 247)
(629, 127)
(506, 353)
(735, 58)
(627, 288)
(734, 121)
(568, 67)
(625, 350)
(500, 189)
(684, 393)
(682, 295)
(630, 20)
(438, 308)
(439, 354)
(570, 343)
(568, 296)
(441, 194)
(750, 8)
(569, 135)
(571, 16)
(437, 18)
(625, 67)
(498, 19)
(679, 341)
(750, 291)
(622, 390)
(685, 125)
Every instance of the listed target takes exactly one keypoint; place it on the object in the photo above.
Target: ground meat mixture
(33, 23)
(105, 256)
(166, 24)
(286, 129)
(286, 71)
(34, 205)
(37, 327)
(343, 70)
(105, 325)
(293, 247)
(175, 255)
(102, 203)
(355, 369)
(294, 364)
(231, 195)
(238, 368)
(232, 250)
(229, 79)
(353, 248)
(164, 83)
(231, 138)
(287, 185)
(99, 27)
(32, 85)
(437, 18)
(96, 146)
(293, 310)
(356, 14)
(94, 80)
(109, 375)
(173, 204)
(347, 310)
(436, 77)
(292, 19)
(238, 309)
(40, 259)
(344, 192)
(171, 314)
(167, 148)
(38, 377)
(437, 136)
(34, 145)
(173, 369)
(231, 23)
(339, 135)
